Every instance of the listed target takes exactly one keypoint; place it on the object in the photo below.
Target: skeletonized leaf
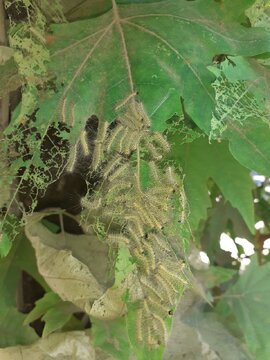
(83, 52)
(62, 346)
(70, 278)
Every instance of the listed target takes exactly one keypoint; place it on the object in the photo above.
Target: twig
(4, 102)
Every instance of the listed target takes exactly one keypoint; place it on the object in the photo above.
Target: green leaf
(123, 265)
(44, 304)
(56, 313)
(21, 257)
(249, 144)
(200, 162)
(249, 301)
(12, 330)
(158, 49)
(5, 245)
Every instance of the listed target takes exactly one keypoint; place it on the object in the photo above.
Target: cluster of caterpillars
(140, 214)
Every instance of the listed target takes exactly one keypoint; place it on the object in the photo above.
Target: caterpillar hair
(84, 143)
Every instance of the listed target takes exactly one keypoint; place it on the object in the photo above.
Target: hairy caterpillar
(119, 186)
(114, 134)
(108, 169)
(150, 254)
(83, 139)
(150, 288)
(102, 132)
(171, 177)
(136, 224)
(160, 241)
(162, 142)
(91, 205)
(166, 290)
(141, 211)
(72, 114)
(73, 154)
(125, 136)
(158, 307)
(142, 261)
(171, 275)
(117, 238)
(154, 170)
(152, 150)
(139, 324)
(119, 171)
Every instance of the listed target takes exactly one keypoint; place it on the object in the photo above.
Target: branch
(4, 102)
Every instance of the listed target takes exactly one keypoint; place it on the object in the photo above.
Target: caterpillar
(150, 254)
(154, 170)
(102, 132)
(160, 241)
(160, 140)
(152, 150)
(140, 211)
(119, 171)
(91, 205)
(114, 134)
(158, 307)
(97, 156)
(117, 238)
(73, 154)
(83, 139)
(108, 169)
(171, 275)
(150, 288)
(142, 261)
(166, 290)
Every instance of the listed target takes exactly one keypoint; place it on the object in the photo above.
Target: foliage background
(93, 57)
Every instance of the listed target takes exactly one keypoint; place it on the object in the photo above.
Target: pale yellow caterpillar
(150, 254)
(144, 215)
(131, 143)
(157, 307)
(119, 186)
(154, 170)
(118, 238)
(72, 114)
(112, 164)
(142, 261)
(139, 325)
(161, 141)
(102, 132)
(152, 150)
(97, 156)
(126, 100)
(125, 136)
(119, 171)
(171, 283)
(83, 140)
(160, 241)
(160, 329)
(171, 177)
(151, 288)
(137, 227)
(73, 153)
(114, 134)
(141, 113)
(62, 105)
(135, 237)
(91, 205)
(165, 289)
(173, 277)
